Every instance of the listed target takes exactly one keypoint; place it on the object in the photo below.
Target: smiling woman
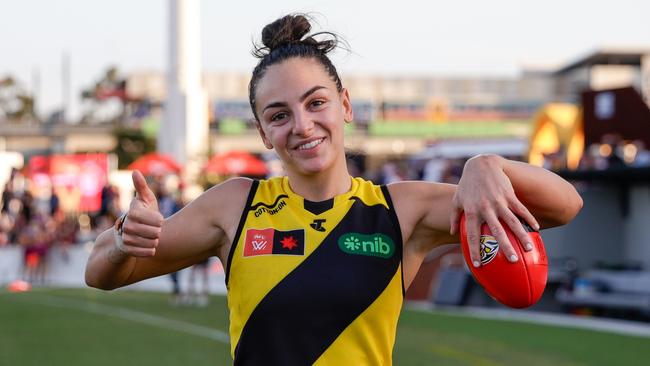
(317, 262)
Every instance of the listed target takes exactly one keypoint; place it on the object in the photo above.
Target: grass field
(87, 327)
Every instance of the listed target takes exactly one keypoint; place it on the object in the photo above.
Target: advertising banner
(77, 179)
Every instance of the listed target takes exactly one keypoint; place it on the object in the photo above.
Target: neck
(323, 185)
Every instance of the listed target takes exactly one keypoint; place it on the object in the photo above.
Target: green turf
(87, 327)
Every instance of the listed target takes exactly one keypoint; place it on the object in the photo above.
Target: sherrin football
(517, 285)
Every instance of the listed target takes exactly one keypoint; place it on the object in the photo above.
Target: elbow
(570, 209)
(574, 206)
(564, 213)
(92, 280)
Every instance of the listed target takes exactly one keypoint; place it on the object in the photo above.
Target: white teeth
(310, 144)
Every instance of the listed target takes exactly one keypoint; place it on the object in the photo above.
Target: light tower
(184, 130)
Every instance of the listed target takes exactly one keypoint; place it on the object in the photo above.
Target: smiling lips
(311, 144)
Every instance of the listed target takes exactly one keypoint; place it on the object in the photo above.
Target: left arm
(493, 188)
(493, 182)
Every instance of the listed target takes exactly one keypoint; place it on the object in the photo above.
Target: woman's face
(302, 114)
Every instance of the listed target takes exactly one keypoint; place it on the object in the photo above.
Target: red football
(517, 285)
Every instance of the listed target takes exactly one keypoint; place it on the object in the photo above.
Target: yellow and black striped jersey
(315, 282)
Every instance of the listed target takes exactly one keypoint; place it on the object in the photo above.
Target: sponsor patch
(375, 245)
(272, 209)
(270, 241)
(317, 225)
(489, 248)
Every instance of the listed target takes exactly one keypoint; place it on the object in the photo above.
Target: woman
(317, 262)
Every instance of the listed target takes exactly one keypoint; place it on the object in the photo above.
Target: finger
(515, 224)
(135, 241)
(142, 230)
(144, 193)
(140, 252)
(454, 220)
(144, 216)
(473, 230)
(496, 229)
(520, 210)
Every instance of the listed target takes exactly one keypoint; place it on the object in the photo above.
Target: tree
(16, 104)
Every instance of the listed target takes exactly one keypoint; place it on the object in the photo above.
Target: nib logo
(270, 242)
(317, 224)
(375, 245)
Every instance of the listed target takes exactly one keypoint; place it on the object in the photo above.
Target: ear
(348, 115)
(265, 140)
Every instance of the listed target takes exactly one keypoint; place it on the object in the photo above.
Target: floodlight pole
(184, 130)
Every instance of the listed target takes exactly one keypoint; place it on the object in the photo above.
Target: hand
(143, 223)
(486, 195)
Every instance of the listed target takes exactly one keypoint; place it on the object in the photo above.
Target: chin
(313, 166)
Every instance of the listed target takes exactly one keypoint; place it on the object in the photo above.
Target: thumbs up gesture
(140, 229)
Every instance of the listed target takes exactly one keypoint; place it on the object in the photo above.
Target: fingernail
(536, 226)
(513, 258)
(476, 264)
(529, 246)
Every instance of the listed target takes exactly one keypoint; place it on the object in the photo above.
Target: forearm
(108, 268)
(551, 199)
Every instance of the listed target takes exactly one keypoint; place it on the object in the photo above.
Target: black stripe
(396, 226)
(318, 207)
(257, 205)
(306, 311)
(242, 221)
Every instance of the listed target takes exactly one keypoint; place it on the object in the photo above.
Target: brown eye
(278, 116)
(317, 103)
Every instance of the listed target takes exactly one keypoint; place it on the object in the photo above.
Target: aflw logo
(258, 242)
(376, 245)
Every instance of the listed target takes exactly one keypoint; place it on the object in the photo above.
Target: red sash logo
(258, 242)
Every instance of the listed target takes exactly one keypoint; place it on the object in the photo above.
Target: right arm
(153, 246)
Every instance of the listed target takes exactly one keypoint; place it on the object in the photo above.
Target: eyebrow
(302, 98)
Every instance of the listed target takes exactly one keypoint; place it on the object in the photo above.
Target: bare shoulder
(225, 200)
(423, 210)
(234, 188)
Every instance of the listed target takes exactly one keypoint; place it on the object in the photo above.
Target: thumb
(144, 193)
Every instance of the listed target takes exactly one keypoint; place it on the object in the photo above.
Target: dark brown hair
(289, 37)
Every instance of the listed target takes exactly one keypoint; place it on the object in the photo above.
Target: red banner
(77, 179)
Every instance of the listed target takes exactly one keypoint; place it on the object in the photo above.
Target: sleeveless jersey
(315, 282)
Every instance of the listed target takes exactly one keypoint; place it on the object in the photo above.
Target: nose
(303, 125)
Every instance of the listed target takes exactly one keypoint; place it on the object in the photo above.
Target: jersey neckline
(338, 199)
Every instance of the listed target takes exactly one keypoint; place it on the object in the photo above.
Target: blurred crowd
(37, 224)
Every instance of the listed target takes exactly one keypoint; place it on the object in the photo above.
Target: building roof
(607, 56)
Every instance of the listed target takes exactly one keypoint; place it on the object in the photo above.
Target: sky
(406, 37)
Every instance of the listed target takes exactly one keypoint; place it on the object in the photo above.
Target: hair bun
(293, 29)
(288, 29)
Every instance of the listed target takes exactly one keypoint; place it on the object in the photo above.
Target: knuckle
(513, 220)
(471, 214)
(484, 204)
(495, 229)
(127, 240)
